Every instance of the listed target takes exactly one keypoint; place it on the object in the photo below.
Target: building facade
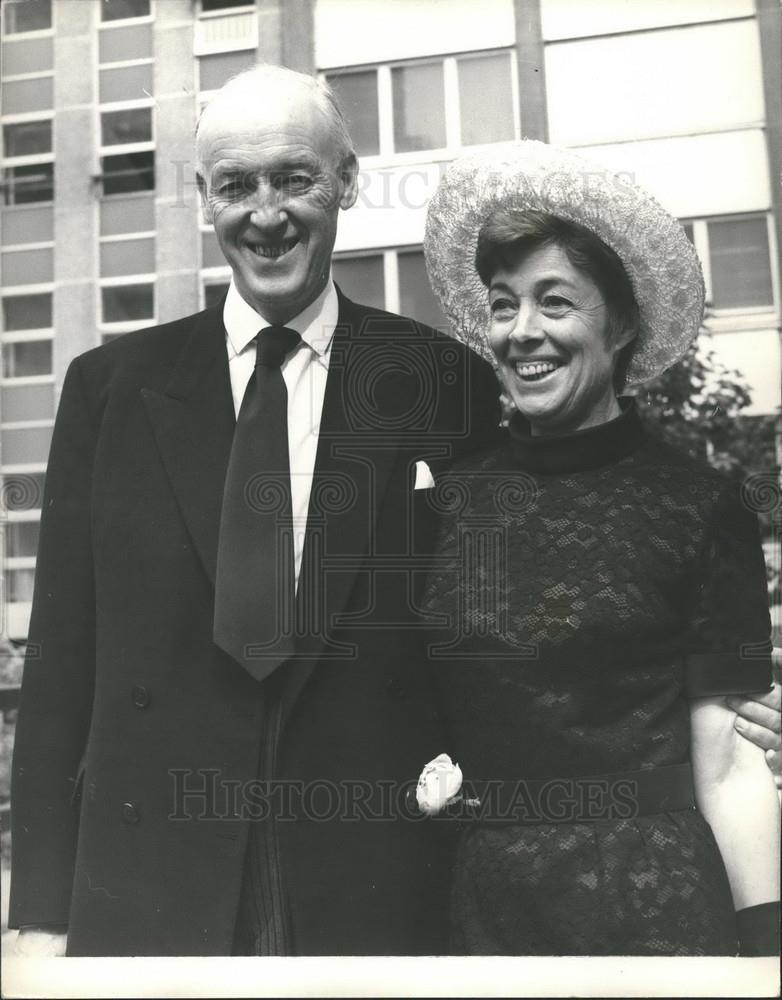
(101, 231)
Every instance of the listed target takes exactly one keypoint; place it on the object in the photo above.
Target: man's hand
(38, 942)
(759, 720)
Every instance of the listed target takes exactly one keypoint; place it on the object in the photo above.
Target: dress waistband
(582, 799)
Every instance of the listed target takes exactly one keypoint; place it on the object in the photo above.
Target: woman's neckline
(580, 450)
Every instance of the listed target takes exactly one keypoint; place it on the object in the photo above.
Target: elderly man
(222, 705)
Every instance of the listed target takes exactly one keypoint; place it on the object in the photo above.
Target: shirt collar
(315, 324)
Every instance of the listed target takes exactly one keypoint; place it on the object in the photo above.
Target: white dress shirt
(305, 372)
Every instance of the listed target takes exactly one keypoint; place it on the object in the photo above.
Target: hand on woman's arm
(759, 719)
(736, 793)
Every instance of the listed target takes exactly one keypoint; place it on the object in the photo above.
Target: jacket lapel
(193, 421)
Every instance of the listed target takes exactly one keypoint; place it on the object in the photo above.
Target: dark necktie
(254, 586)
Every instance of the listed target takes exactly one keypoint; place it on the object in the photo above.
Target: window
(21, 539)
(27, 401)
(361, 278)
(26, 15)
(736, 257)
(485, 99)
(127, 303)
(133, 214)
(126, 172)
(28, 183)
(23, 358)
(20, 585)
(27, 138)
(357, 96)
(125, 83)
(26, 445)
(433, 104)
(416, 298)
(419, 107)
(393, 279)
(740, 263)
(126, 43)
(27, 312)
(127, 127)
(28, 267)
(127, 256)
(21, 97)
(119, 10)
(28, 224)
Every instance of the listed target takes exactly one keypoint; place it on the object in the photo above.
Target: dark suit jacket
(134, 727)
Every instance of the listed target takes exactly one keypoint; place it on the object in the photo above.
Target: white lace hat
(660, 261)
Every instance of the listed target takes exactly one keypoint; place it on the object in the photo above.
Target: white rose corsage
(439, 785)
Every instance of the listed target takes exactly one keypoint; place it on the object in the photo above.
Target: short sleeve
(728, 641)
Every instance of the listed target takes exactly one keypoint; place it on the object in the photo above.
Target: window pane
(126, 172)
(28, 184)
(22, 490)
(27, 402)
(21, 539)
(20, 585)
(740, 265)
(124, 44)
(25, 445)
(416, 298)
(122, 303)
(485, 99)
(28, 267)
(419, 110)
(125, 83)
(27, 138)
(357, 96)
(134, 214)
(28, 312)
(28, 225)
(127, 257)
(119, 128)
(688, 231)
(214, 70)
(23, 96)
(32, 55)
(26, 357)
(116, 10)
(213, 294)
(361, 278)
(26, 15)
(211, 254)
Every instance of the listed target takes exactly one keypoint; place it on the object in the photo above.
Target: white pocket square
(424, 480)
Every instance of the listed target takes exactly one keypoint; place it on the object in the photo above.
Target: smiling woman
(562, 314)
(602, 589)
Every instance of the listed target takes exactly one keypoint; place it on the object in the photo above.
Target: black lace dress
(579, 579)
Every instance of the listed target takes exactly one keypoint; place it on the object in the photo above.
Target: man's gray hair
(267, 75)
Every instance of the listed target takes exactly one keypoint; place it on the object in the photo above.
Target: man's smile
(271, 251)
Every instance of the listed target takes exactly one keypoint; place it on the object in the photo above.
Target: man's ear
(348, 174)
(206, 209)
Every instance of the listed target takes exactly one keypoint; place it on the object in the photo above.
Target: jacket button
(140, 696)
(129, 813)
